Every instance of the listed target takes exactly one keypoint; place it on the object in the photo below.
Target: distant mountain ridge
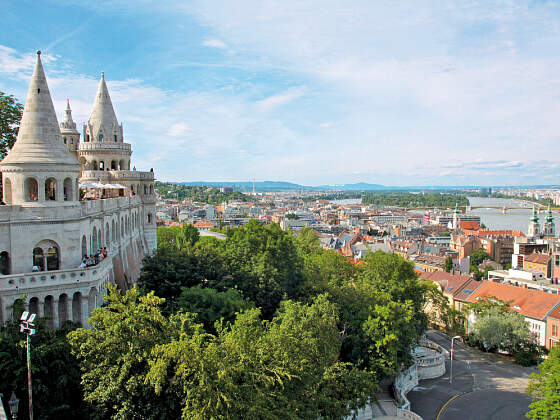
(281, 186)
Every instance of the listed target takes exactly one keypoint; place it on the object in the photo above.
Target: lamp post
(13, 402)
(26, 326)
(451, 364)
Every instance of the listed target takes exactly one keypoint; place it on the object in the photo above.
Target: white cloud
(280, 99)
(214, 43)
(178, 129)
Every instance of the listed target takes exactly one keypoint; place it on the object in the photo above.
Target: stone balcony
(117, 175)
(108, 146)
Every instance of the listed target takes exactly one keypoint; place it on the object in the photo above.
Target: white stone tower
(534, 226)
(39, 170)
(549, 229)
(70, 135)
(103, 147)
(456, 220)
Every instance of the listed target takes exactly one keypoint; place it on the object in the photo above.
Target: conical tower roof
(39, 139)
(103, 118)
(68, 124)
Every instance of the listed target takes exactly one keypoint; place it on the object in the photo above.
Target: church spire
(39, 139)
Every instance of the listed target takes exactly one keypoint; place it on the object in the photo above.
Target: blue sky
(314, 92)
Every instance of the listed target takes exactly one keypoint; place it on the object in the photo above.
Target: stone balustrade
(116, 175)
(104, 146)
(407, 414)
(430, 359)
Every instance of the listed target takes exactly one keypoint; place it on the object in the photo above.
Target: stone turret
(70, 135)
(103, 147)
(39, 170)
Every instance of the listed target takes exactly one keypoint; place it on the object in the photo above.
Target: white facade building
(45, 226)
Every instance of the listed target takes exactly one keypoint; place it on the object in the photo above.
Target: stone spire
(534, 226)
(102, 120)
(70, 135)
(39, 139)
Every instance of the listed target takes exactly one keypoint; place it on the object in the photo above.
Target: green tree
(170, 236)
(496, 329)
(210, 306)
(191, 234)
(440, 313)
(10, 117)
(115, 352)
(448, 264)
(544, 387)
(478, 256)
(57, 392)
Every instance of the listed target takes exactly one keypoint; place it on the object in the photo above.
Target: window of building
(53, 262)
(115, 138)
(38, 259)
(101, 137)
(31, 189)
(65, 140)
(555, 330)
(50, 189)
(4, 263)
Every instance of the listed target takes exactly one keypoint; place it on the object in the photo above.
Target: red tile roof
(555, 313)
(469, 224)
(449, 283)
(531, 303)
(538, 258)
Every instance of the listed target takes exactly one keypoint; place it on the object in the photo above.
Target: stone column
(55, 320)
(85, 314)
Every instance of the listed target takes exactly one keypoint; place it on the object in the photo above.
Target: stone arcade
(45, 223)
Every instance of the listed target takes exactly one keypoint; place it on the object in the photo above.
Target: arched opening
(132, 190)
(101, 138)
(87, 137)
(31, 189)
(94, 240)
(50, 189)
(53, 258)
(65, 141)
(113, 233)
(101, 165)
(113, 165)
(115, 138)
(77, 308)
(63, 314)
(38, 259)
(68, 196)
(49, 311)
(149, 218)
(94, 165)
(7, 191)
(145, 189)
(84, 246)
(17, 309)
(34, 305)
(5, 266)
(121, 165)
(92, 300)
(107, 235)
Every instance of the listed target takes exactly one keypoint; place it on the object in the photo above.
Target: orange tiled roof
(555, 313)
(470, 225)
(531, 303)
(487, 232)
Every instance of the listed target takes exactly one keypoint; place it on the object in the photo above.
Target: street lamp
(26, 326)
(13, 402)
(451, 364)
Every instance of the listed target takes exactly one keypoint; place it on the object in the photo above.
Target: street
(485, 387)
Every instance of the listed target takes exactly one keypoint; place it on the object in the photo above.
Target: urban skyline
(465, 94)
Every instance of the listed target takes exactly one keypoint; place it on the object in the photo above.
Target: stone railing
(20, 283)
(104, 146)
(403, 384)
(434, 366)
(407, 414)
(116, 175)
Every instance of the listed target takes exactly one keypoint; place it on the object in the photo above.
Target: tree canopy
(10, 116)
(544, 387)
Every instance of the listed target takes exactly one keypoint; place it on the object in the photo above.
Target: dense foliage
(544, 386)
(410, 199)
(200, 194)
(57, 393)
(10, 116)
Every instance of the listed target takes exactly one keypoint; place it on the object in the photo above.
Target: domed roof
(39, 139)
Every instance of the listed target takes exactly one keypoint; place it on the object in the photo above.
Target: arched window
(100, 237)
(94, 239)
(145, 189)
(65, 142)
(53, 259)
(49, 311)
(34, 305)
(92, 300)
(113, 165)
(7, 191)
(5, 263)
(121, 165)
(68, 196)
(115, 138)
(94, 165)
(50, 189)
(87, 137)
(63, 315)
(38, 259)
(101, 138)
(71, 140)
(101, 165)
(84, 246)
(149, 218)
(31, 189)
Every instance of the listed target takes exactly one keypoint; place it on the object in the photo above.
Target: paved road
(485, 387)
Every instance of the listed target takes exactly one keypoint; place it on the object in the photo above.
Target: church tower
(103, 147)
(534, 226)
(39, 171)
(549, 224)
(70, 136)
(456, 221)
